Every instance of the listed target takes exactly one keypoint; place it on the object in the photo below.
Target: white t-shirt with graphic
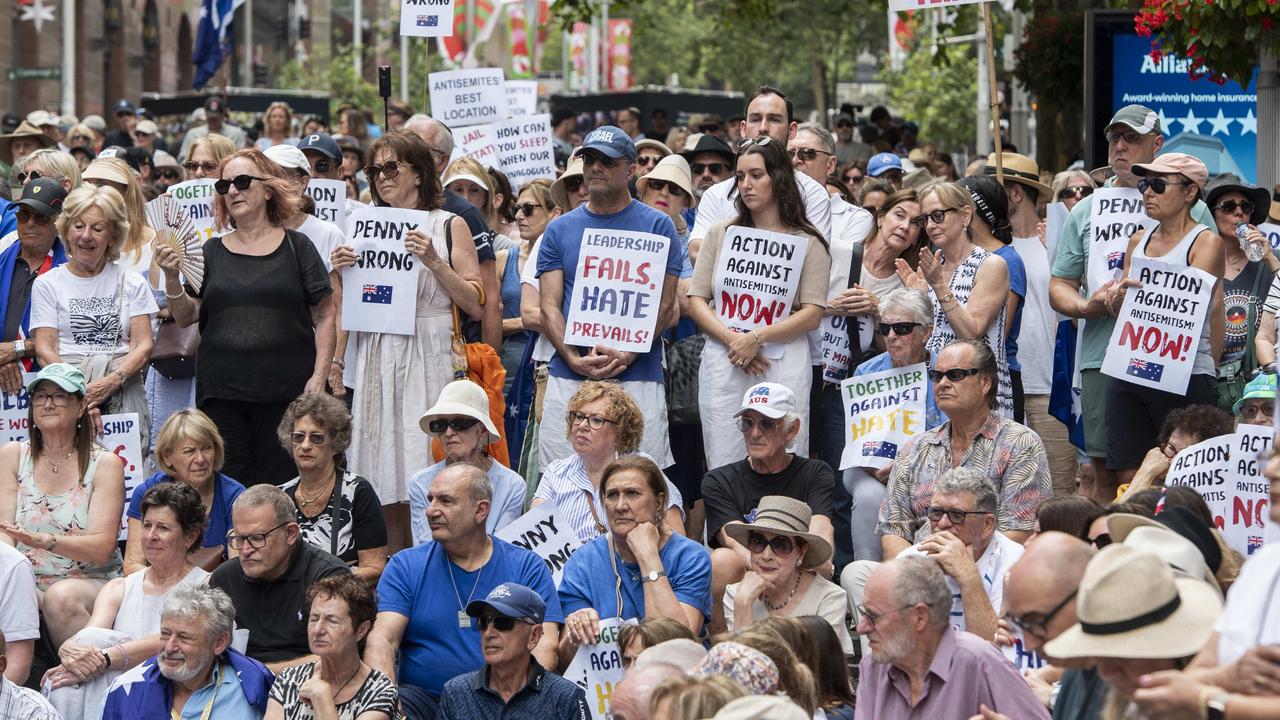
(87, 311)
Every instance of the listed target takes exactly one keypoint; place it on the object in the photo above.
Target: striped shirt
(566, 484)
(25, 703)
(1010, 454)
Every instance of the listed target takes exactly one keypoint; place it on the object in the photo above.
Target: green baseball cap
(69, 378)
(1139, 118)
(1263, 386)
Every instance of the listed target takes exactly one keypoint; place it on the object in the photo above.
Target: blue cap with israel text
(511, 600)
(611, 141)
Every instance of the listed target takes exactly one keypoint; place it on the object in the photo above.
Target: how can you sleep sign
(380, 292)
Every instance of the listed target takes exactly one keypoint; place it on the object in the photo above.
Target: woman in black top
(266, 318)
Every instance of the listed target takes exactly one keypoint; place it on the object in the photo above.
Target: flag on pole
(211, 38)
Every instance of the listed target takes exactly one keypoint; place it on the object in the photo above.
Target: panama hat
(461, 397)
(673, 168)
(25, 130)
(782, 515)
(1170, 545)
(1020, 169)
(559, 195)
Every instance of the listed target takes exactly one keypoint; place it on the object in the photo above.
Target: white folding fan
(174, 228)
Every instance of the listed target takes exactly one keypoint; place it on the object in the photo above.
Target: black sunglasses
(1230, 206)
(390, 169)
(323, 166)
(501, 623)
(937, 216)
(439, 425)
(954, 374)
(781, 544)
(572, 184)
(1102, 540)
(902, 328)
(168, 174)
(24, 215)
(1079, 192)
(805, 154)
(854, 178)
(658, 185)
(1034, 623)
(241, 182)
(647, 160)
(1130, 137)
(525, 209)
(957, 517)
(23, 177)
(713, 168)
(591, 158)
(1158, 185)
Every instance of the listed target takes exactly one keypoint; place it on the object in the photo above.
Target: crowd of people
(318, 530)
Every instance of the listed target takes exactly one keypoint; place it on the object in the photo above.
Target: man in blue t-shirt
(608, 164)
(424, 592)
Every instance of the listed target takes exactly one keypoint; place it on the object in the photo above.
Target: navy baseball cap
(882, 163)
(611, 141)
(322, 143)
(44, 195)
(124, 106)
(512, 600)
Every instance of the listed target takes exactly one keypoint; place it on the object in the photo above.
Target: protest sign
(331, 200)
(196, 197)
(1055, 217)
(426, 18)
(1249, 496)
(538, 532)
(1115, 215)
(1205, 467)
(897, 6)
(524, 149)
(834, 345)
(522, 97)
(477, 141)
(756, 277)
(13, 412)
(380, 292)
(1158, 328)
(468, 97)
(597, 667)
(882, 411)
(617, 290)
(1272, 231)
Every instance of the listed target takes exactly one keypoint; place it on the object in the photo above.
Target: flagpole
(991, 93)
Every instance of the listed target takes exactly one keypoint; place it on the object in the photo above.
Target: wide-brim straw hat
(1145, 534)
(25, 130)
(673, 168)
(655, 144)
(559, 195)
(1020, 169)
(461, 397)
(782, 515)
(1132, 606)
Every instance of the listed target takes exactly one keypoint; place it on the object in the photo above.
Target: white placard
(882, 411)
(1055, 216)
(540, 533)
(1204, 467)
(597, 667)
(834, 345)
(1249, 493)
(1116, 214)
(756, 278)
(1272, 231)
(380, 292)
(468, 97)
(522, 97)
(331, 200)
(196, 198)
(426, 18)
(617, 290)
(897, 6)
(1158, 328)
(525, 149)
(477, 141)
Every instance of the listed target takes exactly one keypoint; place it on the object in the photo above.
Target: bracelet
(53, 542)
(756, 335)
(181, 293)
(124, 654)
(339, 362)
(124, 377)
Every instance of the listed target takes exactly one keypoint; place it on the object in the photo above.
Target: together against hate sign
(882, 411)
(597, 667)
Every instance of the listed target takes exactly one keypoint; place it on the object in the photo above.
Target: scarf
(57, 256)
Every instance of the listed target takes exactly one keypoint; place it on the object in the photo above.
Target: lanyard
(175, 714)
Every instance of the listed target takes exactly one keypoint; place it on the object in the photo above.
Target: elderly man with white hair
(197, 673)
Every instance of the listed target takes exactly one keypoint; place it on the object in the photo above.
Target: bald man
(631, 695)
(19, 702)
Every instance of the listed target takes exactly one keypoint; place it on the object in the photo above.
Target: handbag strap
(1250, 356)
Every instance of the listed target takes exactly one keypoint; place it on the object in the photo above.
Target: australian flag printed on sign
(428, 20)
(380, 294)
(1145, 369)
(880, 449)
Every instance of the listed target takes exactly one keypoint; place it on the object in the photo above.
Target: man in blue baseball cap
(886, 166)
(512, 683)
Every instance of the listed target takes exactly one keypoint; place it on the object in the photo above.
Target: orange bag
(480, 364)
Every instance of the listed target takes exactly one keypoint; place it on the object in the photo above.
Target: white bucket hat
(461, 397)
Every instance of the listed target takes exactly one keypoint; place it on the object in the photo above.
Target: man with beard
(920, 666)
(196, 674)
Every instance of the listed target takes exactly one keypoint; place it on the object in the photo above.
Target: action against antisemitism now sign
(756, 277)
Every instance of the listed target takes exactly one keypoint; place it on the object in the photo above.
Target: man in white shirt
(19, 702)
(19, 618)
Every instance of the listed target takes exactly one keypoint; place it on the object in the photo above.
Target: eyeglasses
(192, 166)
(595, 422)
(902, 328)
(766, 425)
(672, 187)
(390, 169)
(242, 182)
(781, 544)
(1129, 137)
(954, 374)
(1230, 206)
(24, 215)
(1255, 410)
(806, 154)
(500, 623)
(23, 177)
(572, 184)
(79, 139)
(1101, 541)
(713, 168)
(854, 179)
(317, 439)
(647, 160)
(323, 166)
(873, 618)
(1034, 623)
(591, 158)
(1158, 185)
(60, 399)
(525, 209)
(439, 425)
(257, 541)
(1079, 192)
(957, 517)
(937, 216)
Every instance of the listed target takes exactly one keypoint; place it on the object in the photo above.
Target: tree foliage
(1222, 36)
(940, 92)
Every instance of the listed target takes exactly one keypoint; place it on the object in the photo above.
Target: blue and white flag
(211, 38)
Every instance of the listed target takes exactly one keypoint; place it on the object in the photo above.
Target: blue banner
(211, 38)
(1216, 123)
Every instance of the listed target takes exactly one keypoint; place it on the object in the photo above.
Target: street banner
(330, 197)
(1158, 328)
(478, 142)
(882, 411)
(380, 292)
(617, 290)
(1116, 214)
(468, 97)
(522, 97)
(525, 150)
(196, 198)
(756, 278)
(597, 667)
(540, 533)
(426, 18)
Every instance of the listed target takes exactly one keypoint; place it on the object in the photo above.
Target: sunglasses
(572, 184)
(1079, 192)
(192, 166)
(902, 328)
(1251, 411)
(1101, 540)
(954, 374)
(317, 439)
(745, 143)
(957, 517)
(591, 158)
(525, 209)
(1129, 137)
(389, 169)
(805, 154)
(855, 179)
(500, 623)
(25, 216)
(323, 166)
(937, 216)
(647, 160)
(766, 425)
(168, 175)
(23, 177)
(658, 185)
(79, 139)
(242, 182)
(439, 425)
(780, 544)
(713, 168)
(1158, 185)
(1230, 206)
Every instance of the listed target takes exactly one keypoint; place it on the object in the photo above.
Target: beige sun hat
(782, 515)
(461, 397)
(559, 195)
(655, 144)
(673, 168)
(1132, 605)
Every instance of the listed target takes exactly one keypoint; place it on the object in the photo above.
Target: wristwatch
(107, 659)
(19, 347)
(654, 575)
(1217, 706)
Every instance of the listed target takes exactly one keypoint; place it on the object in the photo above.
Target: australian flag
(428, 20)
(211, 38)
(1115, 260)
(1064, 397)
(1145, 369)
(380, 294)
(880, 449)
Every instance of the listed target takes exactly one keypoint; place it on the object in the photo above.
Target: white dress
(398, 377)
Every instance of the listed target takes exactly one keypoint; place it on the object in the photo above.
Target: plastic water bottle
(1253, 251)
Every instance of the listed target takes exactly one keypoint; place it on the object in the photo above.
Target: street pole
(983, 140)
(246, 77)
(1268, 119)
(68, 57)
(404, 67)
(357, 37)
(991, 90)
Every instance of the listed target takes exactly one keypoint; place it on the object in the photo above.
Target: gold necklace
(56, 466)
(321, 496)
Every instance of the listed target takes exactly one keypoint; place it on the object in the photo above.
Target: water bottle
(1253, 251)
